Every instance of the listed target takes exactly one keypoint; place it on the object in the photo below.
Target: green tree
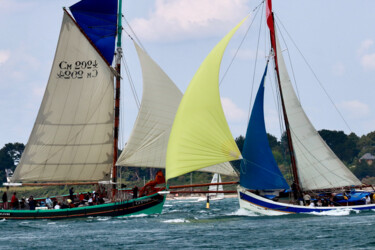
(10, 156)
(345, 147)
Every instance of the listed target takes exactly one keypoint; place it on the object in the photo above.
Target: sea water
(187, 224)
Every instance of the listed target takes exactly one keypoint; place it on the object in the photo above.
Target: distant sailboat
(216, 196)
(316, 169)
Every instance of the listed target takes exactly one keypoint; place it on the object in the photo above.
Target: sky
(335, 37)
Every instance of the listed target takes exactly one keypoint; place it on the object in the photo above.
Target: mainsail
(200, 135)
(318, 167)
(259, 169)
(147, 145)
(72, 138)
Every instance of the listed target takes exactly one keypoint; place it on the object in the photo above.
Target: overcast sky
(336, 37)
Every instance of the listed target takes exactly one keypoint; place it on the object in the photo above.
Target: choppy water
(188, 225)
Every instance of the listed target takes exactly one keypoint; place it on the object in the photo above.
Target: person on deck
(5, 200)
(14, 201)
(71, 193)
(368, 200)
(32, 203)
(49, 202)
(307, 199)
(57, 206)
(319, 203)
(135, 192)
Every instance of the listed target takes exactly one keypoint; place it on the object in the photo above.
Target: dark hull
(145, 205)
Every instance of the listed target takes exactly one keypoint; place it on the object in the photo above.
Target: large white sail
(147, 145)
(318, 167)
(72, 138)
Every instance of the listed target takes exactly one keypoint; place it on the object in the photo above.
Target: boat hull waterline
(152, 204)
(261, 205)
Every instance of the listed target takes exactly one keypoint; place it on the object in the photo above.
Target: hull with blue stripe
(258, 204)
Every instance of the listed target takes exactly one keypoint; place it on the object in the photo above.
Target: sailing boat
(316, 169)
(200, 136)
(216, 196)
(75, 136)
(148, 141)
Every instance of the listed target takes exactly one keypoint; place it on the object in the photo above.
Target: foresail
(258, 169)
(72, 138)
(318, 167)
(200, 135)
(147, 145)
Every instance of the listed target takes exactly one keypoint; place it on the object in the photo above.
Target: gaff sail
(318, 167)
(72, 138)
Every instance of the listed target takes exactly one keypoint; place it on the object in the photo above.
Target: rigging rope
(240, 45)
(290, 62)
(316, 77)
(255, 66)
(131, 83)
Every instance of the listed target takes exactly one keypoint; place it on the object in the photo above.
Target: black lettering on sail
(78, 70)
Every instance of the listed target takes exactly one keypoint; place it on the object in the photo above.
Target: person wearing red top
(14, 201)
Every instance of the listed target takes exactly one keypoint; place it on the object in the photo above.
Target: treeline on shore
(349, 148)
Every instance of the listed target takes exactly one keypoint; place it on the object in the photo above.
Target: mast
(271, 25)
(117, 97)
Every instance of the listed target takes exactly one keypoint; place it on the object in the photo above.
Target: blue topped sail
(98, 19)
(259, 169)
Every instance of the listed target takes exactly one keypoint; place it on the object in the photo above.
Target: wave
(336, 212)
(176, 221)
(244, 212)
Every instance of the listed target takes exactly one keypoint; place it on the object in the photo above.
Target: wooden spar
(117, 98)
(205, 184)
(203, 192)
(58, 184)
(271, 26)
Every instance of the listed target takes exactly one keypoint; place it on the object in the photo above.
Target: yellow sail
(200, 135)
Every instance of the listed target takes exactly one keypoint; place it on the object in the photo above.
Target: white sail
(147, 145)
(216, 179)
(72, 138)
(318, 167)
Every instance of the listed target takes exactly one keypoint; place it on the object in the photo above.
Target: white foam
(176, 221)
(168, 205)
(103, 218)
(137, 215)
(335, 212)
(244, 212)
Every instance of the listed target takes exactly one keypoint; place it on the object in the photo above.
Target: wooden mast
(271, 25)
(117, 98)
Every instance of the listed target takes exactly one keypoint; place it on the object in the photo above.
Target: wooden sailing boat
(316, 169)
(200, 136)
(75, 136)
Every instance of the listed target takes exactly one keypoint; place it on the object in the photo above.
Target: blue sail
(259, 169)
(98, 19)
